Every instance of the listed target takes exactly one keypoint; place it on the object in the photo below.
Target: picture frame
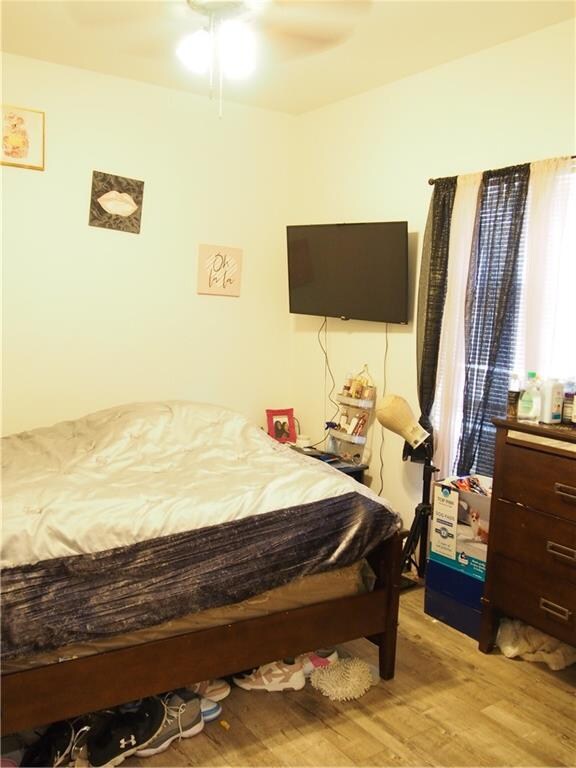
(219, 270)
(281, 424)
(22, 137)
(116, 202)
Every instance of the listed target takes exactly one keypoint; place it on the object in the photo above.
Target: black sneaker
(51, 749)
(124, 732)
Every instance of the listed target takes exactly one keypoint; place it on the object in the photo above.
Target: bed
(156, 544)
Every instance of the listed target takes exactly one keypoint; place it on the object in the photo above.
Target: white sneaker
(275, 676)
(215, 690)
(312, 660)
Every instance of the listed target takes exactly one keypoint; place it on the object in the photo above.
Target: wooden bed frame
(34, 697)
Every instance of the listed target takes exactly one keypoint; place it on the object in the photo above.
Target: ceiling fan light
(236, 49)
(195, 51)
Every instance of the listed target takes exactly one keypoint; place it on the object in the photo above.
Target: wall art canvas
(22, 137)
(219, 270)
(116, 202)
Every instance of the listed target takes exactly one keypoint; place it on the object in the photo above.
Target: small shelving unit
(355, 402)
(349, 445)
(337, 434)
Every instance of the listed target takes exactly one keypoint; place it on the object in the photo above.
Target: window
(516, 307)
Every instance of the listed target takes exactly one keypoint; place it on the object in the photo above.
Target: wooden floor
(449, 705)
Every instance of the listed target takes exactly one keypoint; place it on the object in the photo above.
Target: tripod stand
(418, 533)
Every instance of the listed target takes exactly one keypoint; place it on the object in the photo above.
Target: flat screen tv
(351, 271)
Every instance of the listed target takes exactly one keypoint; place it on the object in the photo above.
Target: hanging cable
(327, 369)
(327, 372)
(382, 431)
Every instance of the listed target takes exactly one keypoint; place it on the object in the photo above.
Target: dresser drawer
(534, 597)
(534, 538)
(538, 480)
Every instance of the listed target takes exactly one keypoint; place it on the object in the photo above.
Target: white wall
(94, 317)
(369, 159)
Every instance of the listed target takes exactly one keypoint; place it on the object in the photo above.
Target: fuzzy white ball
(344, 680)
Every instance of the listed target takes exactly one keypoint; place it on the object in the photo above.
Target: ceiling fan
(296, 27)
(287, 28)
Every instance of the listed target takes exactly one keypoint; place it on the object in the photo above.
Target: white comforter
(147, 470)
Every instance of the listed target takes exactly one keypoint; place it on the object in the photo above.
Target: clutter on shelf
(347, 437)
(548, 401)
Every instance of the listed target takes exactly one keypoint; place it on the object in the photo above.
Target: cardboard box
(459, 528)
(450, 611)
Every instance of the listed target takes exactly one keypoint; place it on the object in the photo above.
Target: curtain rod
(433, 181)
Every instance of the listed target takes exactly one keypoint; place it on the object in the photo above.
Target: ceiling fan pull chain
(212, 28)
(221, 74)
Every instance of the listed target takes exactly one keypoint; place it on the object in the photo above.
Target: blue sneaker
(211, 710)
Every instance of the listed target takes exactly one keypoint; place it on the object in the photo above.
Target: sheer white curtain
(545, 339)
(546, 336)
(446, 414)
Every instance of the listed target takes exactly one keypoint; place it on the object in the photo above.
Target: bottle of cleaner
(568, 405)
(529, 402)
(513, 397)
(551, 402)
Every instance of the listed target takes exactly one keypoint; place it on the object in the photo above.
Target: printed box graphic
(459, 530)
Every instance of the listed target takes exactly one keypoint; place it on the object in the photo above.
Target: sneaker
(276, 676)
(121, 734)
(316, 660)
(215, 690)
(211, 710)
(52, 748)
(182, 719)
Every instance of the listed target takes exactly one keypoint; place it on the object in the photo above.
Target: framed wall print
(116, 202)
(219, 270)
(281, 425)
(22, 137)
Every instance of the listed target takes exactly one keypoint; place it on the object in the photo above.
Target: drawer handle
(558, 550)
(566, 491)
(556, 610)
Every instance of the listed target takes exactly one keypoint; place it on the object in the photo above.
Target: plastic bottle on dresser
(513, 397)
(568, 404)
(529, 402)
(552, 394)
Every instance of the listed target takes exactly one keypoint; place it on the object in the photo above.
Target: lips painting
(116, 202)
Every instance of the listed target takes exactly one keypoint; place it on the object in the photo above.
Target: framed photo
(219, 270)
(116, 202)
(281, 425)
(22, 137)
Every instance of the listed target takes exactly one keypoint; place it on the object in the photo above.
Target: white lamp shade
(394, 413)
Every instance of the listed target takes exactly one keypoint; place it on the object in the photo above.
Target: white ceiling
(373, 41)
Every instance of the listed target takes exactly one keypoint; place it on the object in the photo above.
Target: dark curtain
(431, 298)
(492, 298)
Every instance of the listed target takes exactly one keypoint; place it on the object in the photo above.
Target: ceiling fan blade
(324, 18)
(96, 13)
(153, 26)
(284, 44)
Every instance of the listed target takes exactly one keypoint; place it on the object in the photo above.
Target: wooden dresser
(531, 566)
